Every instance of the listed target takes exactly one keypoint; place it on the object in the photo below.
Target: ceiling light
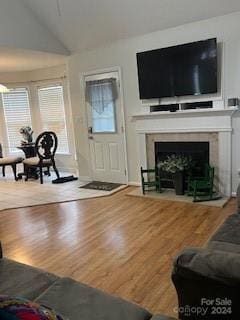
(3, 89)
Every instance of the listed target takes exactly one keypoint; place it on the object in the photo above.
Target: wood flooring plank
(123, 245)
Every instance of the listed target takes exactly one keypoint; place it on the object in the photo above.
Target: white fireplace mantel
(186, 113)
(215, 120)
(187, 121)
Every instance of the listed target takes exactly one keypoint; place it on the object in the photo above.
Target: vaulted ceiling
(20, 28)
(86, 24)
(51, 29)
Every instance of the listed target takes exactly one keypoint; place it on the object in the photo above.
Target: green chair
(201, 188)
(150, 180)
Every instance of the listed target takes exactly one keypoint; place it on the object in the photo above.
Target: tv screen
(188, 69)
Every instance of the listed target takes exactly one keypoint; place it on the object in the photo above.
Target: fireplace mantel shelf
(186, 113)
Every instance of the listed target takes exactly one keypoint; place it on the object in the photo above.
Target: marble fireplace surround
(213, 126)
(211, 137)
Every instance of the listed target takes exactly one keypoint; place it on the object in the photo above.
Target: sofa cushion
(223, 246)
(229, 231)
(78, 301)
(22, 309)
(17, 279)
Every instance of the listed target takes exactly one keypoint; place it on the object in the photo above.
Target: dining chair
(46, 147)
(9, 161)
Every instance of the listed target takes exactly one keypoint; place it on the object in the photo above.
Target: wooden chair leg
(143, 189)
(48, 171)
(211, 192)
(26, 171)
(41, 174)
(55, 169)
(3, 171)
(195, 191)
(14, 169)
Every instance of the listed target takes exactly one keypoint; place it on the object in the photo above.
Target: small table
(29, 151)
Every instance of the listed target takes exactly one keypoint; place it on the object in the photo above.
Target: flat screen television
(188, 69)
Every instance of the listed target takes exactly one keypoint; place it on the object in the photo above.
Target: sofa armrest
(216, 265)
(203, 275)
(161, 317)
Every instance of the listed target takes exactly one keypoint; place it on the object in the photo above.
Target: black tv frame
(155, 95)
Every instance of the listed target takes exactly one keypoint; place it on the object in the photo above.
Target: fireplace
(198, 151)
(202, 147)
(214, 127)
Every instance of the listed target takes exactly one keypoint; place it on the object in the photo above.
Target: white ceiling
(86, 24)
(14, 60)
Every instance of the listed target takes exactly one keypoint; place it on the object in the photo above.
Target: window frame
(93, 77)
(32, 86)
(3, 125)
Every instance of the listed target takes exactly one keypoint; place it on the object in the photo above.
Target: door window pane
(101, 96)
(104, 122)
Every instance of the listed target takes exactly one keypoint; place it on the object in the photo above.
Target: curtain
(99, 93)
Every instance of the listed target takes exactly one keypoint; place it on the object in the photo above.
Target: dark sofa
(72, 299)
(208, 280)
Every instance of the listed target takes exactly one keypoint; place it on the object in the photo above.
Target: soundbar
(164, 107)
(197, 105)
(184, 106)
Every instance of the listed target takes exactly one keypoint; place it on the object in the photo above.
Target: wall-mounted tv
(188, 69)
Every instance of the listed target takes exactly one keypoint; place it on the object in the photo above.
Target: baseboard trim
(85, 178)
(67, 170)
(133, 183)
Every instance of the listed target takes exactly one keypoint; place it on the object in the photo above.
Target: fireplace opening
(198, 151)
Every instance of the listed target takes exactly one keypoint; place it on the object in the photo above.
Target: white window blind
(51, 104)
(17, 115)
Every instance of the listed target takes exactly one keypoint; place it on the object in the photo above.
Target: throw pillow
(21, 309)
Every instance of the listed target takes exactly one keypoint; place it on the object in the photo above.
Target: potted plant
(27, 134)
(176, 164)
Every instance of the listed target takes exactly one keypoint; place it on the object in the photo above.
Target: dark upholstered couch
(72, 299)
(208, 280)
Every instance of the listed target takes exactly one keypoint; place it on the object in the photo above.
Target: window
(51, 105)
(17, 114)
(101, 95)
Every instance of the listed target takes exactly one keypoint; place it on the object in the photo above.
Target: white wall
(38, 77)
(34, 75)
(123, 54)
(20, 28)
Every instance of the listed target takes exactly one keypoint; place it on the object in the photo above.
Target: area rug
(21, 193)
(104, 186)
(170, 195)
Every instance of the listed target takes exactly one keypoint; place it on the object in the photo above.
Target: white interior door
(106, 133)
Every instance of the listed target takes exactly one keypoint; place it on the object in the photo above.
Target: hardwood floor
(123, 245)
